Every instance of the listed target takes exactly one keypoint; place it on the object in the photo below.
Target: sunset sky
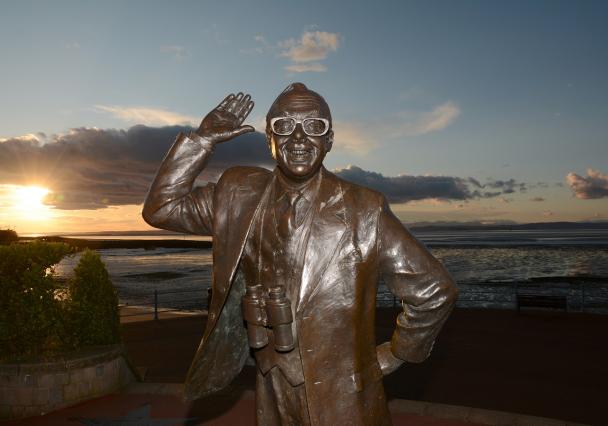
(457, 110)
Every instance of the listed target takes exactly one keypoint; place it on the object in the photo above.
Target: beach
(490, 266)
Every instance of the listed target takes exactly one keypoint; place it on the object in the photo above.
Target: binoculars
(263, 310)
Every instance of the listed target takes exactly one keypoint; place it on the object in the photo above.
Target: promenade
(488, 367)
(547, 364)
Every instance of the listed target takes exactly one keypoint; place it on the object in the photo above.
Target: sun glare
(28, 201)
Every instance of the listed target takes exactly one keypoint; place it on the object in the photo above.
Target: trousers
(277, 402)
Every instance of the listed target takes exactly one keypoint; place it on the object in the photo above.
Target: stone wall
(32, 389)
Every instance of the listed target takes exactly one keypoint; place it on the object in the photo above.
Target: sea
(490, 266)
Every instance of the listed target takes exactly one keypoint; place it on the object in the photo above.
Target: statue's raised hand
(225, 121)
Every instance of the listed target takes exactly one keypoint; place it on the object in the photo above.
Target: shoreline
(149, 244)
(95, 244)
(582, 292)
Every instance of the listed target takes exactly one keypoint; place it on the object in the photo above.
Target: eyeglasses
(284, 126)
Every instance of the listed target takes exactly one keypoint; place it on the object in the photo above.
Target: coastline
(117, 242)
(490, 277)
(151, 244)
(96, 244)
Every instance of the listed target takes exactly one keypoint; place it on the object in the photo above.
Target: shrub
(8, 236)
(31, 320)
(36, 320)
(93, 304)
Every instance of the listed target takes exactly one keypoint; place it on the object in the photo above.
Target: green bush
(39, 317)
(93, 307)
(31, 317)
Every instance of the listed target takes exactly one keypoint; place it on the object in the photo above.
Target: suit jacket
(354, 241)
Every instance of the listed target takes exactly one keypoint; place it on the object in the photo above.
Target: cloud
(406, 188)
(312, 67)
(93, 169)
(594, 185)
(362, 137)
(507, 186)
(148, 116)
(306, 52)
(408, 124)
(354, 137)
(38, 137)
(178, 52)
(312, 46)
(262, 46)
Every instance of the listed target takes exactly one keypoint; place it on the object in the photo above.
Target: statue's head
(299, 131)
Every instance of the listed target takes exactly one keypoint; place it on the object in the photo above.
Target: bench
(541, 301)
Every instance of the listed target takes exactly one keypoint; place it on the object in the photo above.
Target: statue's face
(299, 155)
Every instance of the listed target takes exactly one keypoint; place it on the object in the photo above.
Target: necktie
(287, 221)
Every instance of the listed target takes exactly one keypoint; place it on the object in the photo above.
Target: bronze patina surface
(297, 257)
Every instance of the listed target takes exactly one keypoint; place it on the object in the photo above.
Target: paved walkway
(160, 404)
(508, 366)
(549, 365)
(136, 409)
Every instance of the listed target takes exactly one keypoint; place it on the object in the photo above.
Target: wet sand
(536, 363)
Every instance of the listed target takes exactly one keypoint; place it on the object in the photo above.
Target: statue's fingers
(245, 112)
(235, 103)
(242, 105)
(224, 104)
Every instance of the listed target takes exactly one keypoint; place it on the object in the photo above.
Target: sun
(28, 202)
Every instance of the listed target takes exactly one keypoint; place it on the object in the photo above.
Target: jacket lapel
(245, 205)
(328, 228)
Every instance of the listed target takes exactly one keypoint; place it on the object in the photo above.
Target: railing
(583, 297)
(579, 298)
(158, 305)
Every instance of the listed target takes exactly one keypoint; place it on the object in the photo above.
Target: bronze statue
(297, 255)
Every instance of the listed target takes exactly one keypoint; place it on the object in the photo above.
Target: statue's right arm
(172, 203)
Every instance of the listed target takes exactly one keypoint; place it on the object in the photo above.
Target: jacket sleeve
(420, 281)
(172, 203)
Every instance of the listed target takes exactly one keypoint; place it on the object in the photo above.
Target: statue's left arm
(420, 281)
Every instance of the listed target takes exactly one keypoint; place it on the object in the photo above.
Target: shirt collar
(308, 190)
